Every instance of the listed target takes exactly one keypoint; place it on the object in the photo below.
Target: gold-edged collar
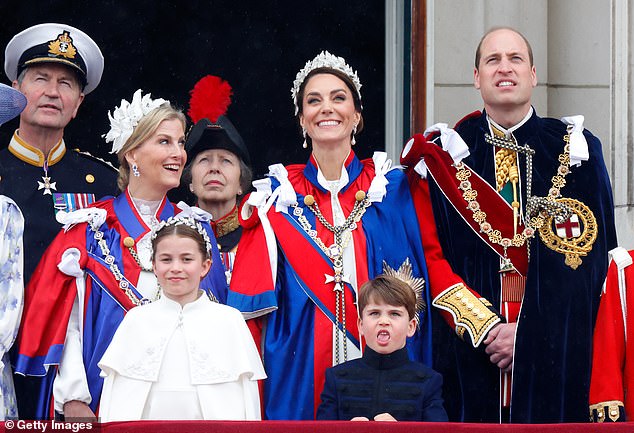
(34, 156)
(227, 223)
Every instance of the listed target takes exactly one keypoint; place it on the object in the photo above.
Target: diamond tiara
(324, 60)
(189, 222)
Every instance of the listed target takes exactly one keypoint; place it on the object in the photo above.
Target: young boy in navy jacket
(383, 385)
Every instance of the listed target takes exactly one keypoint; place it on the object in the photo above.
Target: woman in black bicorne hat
(218, 173)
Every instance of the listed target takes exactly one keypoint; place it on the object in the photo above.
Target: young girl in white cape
(182, 356)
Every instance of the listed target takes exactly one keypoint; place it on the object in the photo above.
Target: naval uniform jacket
(83, 177)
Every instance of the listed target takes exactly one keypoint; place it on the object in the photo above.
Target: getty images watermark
(48, 426)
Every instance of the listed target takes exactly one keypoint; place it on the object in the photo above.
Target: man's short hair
(478, 54)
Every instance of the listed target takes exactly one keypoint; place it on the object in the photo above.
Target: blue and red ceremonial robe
(280, 274)
(50, 294)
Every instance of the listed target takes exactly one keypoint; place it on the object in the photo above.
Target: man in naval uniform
(517, 218)
(54, 66)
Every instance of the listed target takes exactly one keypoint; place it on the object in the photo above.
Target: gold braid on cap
(324, 60)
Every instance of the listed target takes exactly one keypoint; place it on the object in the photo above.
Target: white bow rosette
(382, 165)
(126, 117)
(451, 141)
(194, 212)
(578, 143)
(91, 215)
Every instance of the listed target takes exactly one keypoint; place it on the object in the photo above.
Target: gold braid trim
(504, 160)
(227, 223)
(469, 312)
(597, 411)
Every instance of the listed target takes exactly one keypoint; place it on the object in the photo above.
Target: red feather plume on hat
(210, 98)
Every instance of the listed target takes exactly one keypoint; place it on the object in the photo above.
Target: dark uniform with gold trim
(75, 181)
(64, 179)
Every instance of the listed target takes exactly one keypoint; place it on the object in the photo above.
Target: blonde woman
(99, 266)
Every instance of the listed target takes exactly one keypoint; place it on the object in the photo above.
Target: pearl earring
(354, 132)
(305, 145)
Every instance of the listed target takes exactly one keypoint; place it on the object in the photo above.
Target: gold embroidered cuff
(469, 312)
(605, 410)
(486, 302)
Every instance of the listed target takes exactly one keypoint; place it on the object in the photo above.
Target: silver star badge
(338, 279)
(47, 185)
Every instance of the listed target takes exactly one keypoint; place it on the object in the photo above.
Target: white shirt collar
(509, 131)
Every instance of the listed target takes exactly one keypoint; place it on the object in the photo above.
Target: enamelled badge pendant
(565, 225)
(505, 264)
(339, 278)
(573, 234)
(46, 185)
(572, 237)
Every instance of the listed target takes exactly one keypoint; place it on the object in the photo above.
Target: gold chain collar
(533, 223)
(336, 250)
(342, 235)
(124, 284)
